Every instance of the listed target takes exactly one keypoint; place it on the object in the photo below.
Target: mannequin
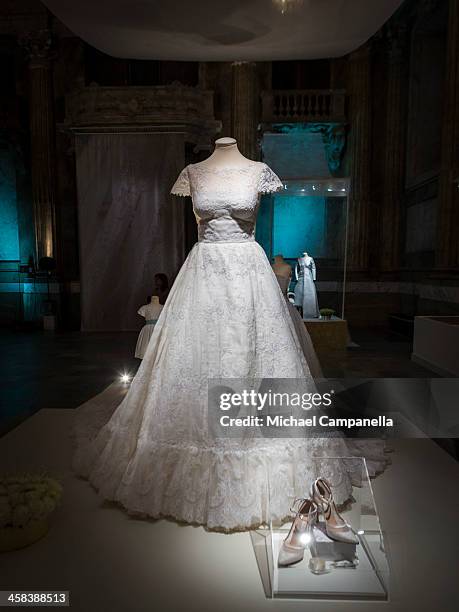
(226, 153)
(150, 312)
(305, 289)
(281, 267)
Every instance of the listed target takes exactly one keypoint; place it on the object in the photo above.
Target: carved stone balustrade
(300, 105)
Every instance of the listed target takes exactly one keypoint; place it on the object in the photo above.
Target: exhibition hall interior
(202, 203)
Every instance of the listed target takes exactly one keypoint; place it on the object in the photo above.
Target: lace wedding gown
(225, 316)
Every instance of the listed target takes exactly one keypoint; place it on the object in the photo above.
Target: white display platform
(353, 572)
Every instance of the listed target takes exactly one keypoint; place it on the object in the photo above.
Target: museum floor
(110, 562)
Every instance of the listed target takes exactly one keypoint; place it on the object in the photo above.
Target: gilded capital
(38, 46)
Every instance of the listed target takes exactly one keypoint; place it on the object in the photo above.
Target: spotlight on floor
(125, 378)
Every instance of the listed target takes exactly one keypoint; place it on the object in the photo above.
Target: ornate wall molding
(333, 137)
(174, 108)
(38, 46)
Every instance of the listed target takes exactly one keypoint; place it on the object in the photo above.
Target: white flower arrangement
(27, 497)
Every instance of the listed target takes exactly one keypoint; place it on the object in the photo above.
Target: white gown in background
(150, 312)
(225, 316)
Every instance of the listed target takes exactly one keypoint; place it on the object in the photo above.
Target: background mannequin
(305, 290)
(151, 312)
(281, 267)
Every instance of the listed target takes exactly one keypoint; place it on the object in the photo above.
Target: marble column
(359, 155)
(447, 248)
(394, 150)
(244, 105)
(38, 47)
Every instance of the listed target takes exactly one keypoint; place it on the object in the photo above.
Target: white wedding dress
(225, 316)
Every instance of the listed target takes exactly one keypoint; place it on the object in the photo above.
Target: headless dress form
(151, 313)
(225, 317)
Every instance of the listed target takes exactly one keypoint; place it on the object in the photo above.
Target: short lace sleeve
(269, 181)
(182, 184)
(142, 311)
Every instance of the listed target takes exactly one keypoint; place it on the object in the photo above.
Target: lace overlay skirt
(225, 316)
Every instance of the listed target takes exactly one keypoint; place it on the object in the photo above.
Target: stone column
(359, 154)
(447, 250)
(38, 46)
(244, 107)
(394, 150)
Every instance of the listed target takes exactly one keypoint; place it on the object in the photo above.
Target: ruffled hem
(223, 489)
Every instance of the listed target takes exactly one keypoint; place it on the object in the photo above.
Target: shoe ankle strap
(322, 482)
(298, 504)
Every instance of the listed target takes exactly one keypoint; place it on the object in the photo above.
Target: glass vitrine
(310, 216)
(329, 569)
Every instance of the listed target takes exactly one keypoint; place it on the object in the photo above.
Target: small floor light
(125, 378)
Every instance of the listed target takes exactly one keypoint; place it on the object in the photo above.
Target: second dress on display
(305, 289)
(150, 312)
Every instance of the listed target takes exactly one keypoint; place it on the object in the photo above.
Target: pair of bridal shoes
(307, 513)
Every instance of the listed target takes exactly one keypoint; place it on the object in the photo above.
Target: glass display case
(310, 216)
(329, 569)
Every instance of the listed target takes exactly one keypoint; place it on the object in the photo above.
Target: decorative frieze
(170, 108)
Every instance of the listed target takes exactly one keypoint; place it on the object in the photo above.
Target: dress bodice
(306, 262)
(306, 265)
(225, 200)
(150, 311)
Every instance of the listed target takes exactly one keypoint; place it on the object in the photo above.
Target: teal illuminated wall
(9, 233)
(288, 225)
(298, 226)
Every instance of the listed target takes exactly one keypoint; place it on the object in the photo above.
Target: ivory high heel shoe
(300, 534)
(335, 526)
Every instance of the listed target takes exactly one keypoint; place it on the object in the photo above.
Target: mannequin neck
(226, 153)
